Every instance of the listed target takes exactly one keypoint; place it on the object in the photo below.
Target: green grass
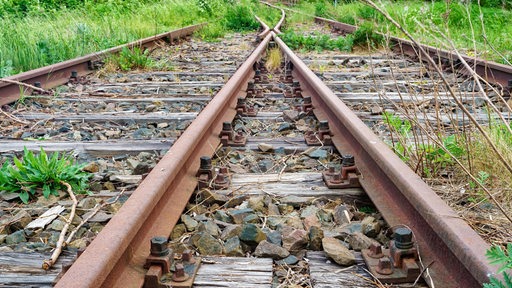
(38, 33)
(426, 20)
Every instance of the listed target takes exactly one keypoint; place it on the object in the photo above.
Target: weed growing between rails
(42, 173)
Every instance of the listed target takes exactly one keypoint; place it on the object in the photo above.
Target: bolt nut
(37, 84)
(348, 160)
(403, 238)
(226, 126)
(74, 74)
(188, 256)
(384, 267)
(307, 100)
(206, 163)
(179, 274)
(375, 251)
(159, 246)
(324, 125)
(295, 84)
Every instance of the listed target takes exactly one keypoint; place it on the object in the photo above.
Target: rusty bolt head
(384, 267)
(223, 170)
(375, 251)
(348, 160)
(289, 65)
(226, 126)
(159, 246)
(324, 125)
(403, 238)
(220, 179)
(188, 256)
(179, 274)
(206, 163)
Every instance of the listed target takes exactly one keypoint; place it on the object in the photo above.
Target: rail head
(116, 256)
(456, 252)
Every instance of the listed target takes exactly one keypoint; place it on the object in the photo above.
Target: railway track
(245, 154)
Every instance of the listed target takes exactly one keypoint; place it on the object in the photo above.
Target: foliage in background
(496, 255)
(317, 42)
(44, 173)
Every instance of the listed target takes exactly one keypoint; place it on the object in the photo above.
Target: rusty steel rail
(454, 251)
(116, 256)
(265, 31)
(58, 74)
(277, 28)
(492, 72)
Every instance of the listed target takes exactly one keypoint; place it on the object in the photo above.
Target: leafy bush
(239, 18)
(34, 173)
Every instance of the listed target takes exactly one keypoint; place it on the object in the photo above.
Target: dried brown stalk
(96, 209)
(12, 117)
(47, 264)
(450, 89)
(24, 84)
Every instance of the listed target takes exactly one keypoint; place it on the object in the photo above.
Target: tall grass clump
(37, 36)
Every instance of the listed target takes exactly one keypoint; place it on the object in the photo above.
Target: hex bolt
(272, 44)
(159, 246)
(348, 160)
(403, 238)
(384, 267)
(375, 251)
(206, 163)
(179, 274)
(324, 125)
(307, 100)
(258, 72)
(241, 101)
(37, 84)
(295, 84)
(188, 257)
(226, 126)
(74, 74)
(250, 85)
(220, 179)
(289, 65)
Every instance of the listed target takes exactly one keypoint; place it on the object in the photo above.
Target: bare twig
(96, 209)
(24, 85)
(47, 264)
(459, 103)
(14, 117)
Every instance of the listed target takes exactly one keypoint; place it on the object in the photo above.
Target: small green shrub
(35, 173)
(496, 255)
(211, 32)
(132, 59)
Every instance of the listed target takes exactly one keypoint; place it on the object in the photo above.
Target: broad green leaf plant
(33, 174)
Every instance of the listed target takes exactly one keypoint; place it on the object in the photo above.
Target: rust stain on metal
(456, 252)
(115, 258)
